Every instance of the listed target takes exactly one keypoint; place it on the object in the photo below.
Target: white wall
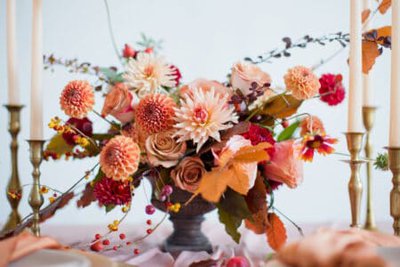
(203, 38)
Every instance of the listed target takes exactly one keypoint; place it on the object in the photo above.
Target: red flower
(128, 51)
(84, 125)
(257, 134)
(177, 74)
(321, 143)
(110, 192)
(331, 90)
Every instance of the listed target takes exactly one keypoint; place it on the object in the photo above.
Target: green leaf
(111, 75)
(100, 175)
(288, 132)
(235, 204)
(101, 137)
(58, 145)
(109, 207)
(231, 223)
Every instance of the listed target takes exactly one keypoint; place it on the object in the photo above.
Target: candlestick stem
(35, 198)
(394, 166)
(354, 144)
(368, 120)
(14, 190)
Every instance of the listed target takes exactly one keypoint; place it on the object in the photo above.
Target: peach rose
(285, 166)
(187, 175)
(162, 149)
(119, 103)
(244, 74)
(205, 85)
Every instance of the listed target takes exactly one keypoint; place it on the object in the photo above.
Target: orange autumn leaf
(365, 14)
(370, 52)
(384, 6)
(236, 170)
(276, 232)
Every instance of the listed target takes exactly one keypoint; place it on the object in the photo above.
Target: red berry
(128, 243)
(106, 242)
(150, 209)
(97, 246)
(128, 51)
(149, 50)
(122, 236)
(149, 231)
(97, 236)
(167, 190)
(115, 247)
(238, 262)
(149, 222)
(284, 123)
(168, 204)
(136, 251)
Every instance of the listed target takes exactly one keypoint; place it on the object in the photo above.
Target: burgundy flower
(110, 192)
(84, 125)
(177, 74)
(331, 90)
(257, 134)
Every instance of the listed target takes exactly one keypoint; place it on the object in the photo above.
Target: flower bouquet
(203, 145)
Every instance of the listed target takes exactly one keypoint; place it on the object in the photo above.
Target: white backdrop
(203, 38)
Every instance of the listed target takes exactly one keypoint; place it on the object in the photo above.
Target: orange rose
(205, 85)
(187, 175)
(285, 166)
(119, 103)
(244, 74)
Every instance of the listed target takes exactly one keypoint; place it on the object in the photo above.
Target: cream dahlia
(302, 82)
(77, 99)
(155, 113)
(148, 72)
(202, 116)
(119, 158)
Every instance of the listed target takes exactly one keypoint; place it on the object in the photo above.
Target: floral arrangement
(232, 143)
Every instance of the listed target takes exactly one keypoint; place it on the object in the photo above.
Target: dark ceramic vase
(187, 234)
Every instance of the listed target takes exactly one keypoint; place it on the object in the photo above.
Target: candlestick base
(354, 143)
(35, 198)
(394, 166)
(368, 113)
(14, 190)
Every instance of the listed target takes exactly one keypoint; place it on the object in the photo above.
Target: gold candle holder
(14, 190)
(35, 198)
(354, 144)
(368, 114)
(394, 166)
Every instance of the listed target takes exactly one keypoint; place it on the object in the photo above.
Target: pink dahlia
(110, 192)
(257, 134)
(83, 125)
(119, 158)
(332, 90)
(302, 82)
(77, 99)
(155, 113)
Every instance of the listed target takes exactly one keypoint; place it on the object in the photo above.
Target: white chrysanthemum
(203, 115)
(147, 73)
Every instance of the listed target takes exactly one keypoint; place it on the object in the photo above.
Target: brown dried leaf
(365, 15)
(384, 6)
(370, 52)
(87, 197)
(256, 200)
(281, 106)
(276, 232)
(383, 32)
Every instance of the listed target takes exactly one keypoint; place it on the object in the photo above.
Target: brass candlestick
(394, 166)
(35, 198)
(354, 143)
(14, 190)
(369, 119)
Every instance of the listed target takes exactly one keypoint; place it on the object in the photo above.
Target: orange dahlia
(77, 99)
(119, 158)
(155, 113)
(321, 143)
(311, 125)
(302, 82)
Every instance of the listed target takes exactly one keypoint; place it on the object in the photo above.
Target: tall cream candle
(37, 71)
(355, 87)
(368, 93)
(394, 129)
(13, 89)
